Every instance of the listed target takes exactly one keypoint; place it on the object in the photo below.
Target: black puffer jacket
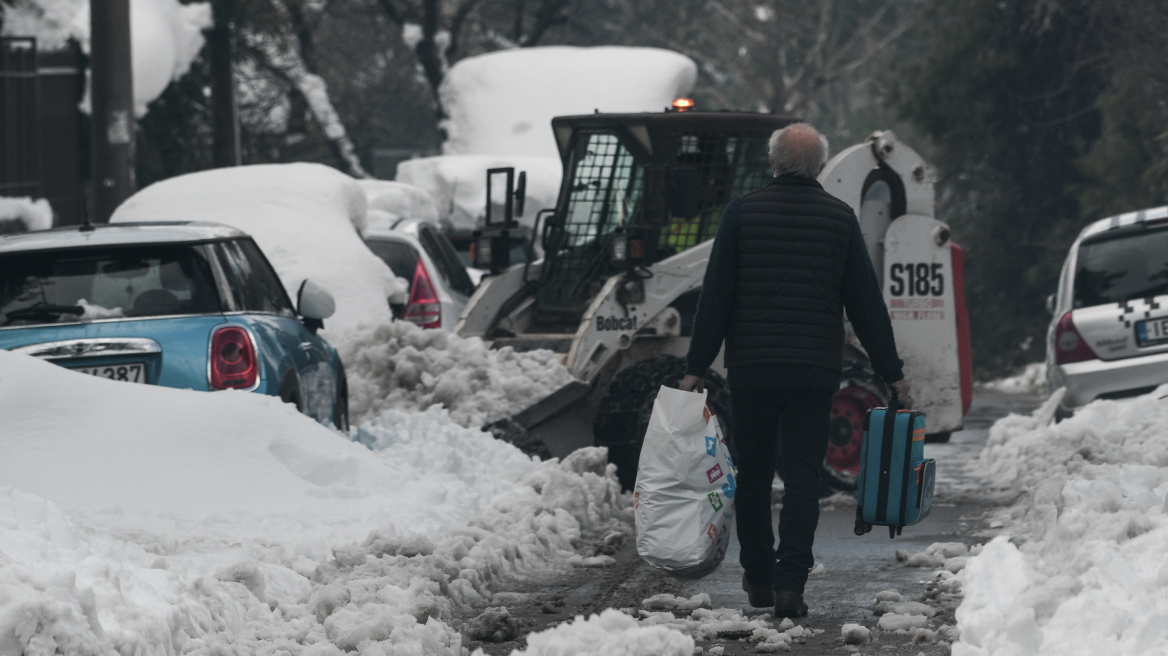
(787, 259)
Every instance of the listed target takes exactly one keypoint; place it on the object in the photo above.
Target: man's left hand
(692, 384)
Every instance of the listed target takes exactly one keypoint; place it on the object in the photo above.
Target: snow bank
(404, 367)
(459, 184)
(153, 520)
(611, 633)
(165, 36)
(397, 200)
(305, 217)
(1031, 380)
(33, 214)
(1090, 574)
(503, 102)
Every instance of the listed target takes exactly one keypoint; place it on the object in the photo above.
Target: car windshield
(47, 287)
(1117, 270)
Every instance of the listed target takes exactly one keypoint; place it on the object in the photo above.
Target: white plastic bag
(684, 496)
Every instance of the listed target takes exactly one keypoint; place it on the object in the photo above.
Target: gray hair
(797, 158)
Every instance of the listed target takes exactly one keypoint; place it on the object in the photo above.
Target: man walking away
(786, 261)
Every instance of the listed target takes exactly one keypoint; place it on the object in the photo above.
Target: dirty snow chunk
(888, 595)
(32, 214)
(923, 635)
(855, 634)
(955, 565)
(819, 571)
(786, 624)
(904, 608)
(494, 625)
(948, 549)
(479, 93)
(403, 367)
(458, 184)
(666, 601)
(796, 631)
(611, 633)
(591, 561)
(898, 622)
(304, 217)
(925, 559)
(512, 598)
(717, 650)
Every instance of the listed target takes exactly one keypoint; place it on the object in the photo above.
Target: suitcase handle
(894, 401)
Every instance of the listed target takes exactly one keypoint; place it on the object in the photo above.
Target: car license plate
(1152, 332)
(131, 373)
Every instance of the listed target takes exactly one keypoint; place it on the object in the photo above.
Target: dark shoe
(759, 597)
(789, 604)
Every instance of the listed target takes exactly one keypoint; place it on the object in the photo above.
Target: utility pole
(224, 116)
(112, 102)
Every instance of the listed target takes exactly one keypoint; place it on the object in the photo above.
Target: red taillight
(1069, 345)
(233, 359)
(423, 308)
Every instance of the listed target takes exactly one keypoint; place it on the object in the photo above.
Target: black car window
(255, 285)
(83, 284)
(440, 250)
(1116, 270)
(401, 258)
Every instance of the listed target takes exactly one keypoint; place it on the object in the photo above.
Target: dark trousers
(794, 421)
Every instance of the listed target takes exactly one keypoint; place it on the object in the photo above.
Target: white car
(417, 251)
(1108, 338)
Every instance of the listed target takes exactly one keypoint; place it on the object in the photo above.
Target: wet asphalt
(855, 568)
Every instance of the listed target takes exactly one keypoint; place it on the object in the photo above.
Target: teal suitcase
(896, 479)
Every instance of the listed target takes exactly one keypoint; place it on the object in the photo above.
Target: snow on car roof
(123, 233)
(1122, 220)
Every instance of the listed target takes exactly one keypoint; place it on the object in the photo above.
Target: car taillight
(423, 308)
(1069, 345)
(233, 359)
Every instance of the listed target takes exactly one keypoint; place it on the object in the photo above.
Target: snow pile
(503, 102)
(166, 36)
(1091, 576)
(397, 200)
(33, 214)
(305, 218)
(398, 365)
(153, 520)
(611, 633)
(1031, 380)
(459, 184)
(500, 107)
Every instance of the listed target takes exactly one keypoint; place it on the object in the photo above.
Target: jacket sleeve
(864, 302)
(717, 298)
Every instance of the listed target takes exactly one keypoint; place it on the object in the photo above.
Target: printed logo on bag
(715, 501)
(729, 486)
(719, 555)
(727, 515)
(712, 533)
(711, 446)
(636, 500)
(706, 414)
(729, 461)
(714, 473)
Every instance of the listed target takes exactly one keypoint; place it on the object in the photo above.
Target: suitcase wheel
(861, 527)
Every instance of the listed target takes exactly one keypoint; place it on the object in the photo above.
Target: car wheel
(860, 390)
(623, 415)
(341, 406)
(290, 391)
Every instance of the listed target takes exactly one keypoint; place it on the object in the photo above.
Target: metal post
(225, 122)
(112, 101)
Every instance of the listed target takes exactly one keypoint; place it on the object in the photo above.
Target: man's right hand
(901, 387)
(692, 384)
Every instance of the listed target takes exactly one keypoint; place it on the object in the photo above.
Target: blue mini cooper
(188, 305)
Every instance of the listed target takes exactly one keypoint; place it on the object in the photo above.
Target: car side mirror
(683, 192)
(1050, 303)
(315, 304)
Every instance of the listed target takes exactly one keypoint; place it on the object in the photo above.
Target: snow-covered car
(1108, 337)
(417, 251)
(186, 305)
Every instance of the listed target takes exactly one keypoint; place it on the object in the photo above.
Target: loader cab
(637, 189)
